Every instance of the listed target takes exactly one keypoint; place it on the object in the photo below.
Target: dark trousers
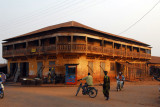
(106, 92)
(84, 87)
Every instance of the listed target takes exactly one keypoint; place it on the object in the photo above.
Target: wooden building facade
(74, 49)
(154, 66)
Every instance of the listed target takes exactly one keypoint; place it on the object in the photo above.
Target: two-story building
(74, 49)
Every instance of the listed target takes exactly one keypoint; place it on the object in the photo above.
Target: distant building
(154, 65)
(74, 49)
(3, 68)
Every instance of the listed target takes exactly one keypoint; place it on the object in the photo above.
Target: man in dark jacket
(106, 85)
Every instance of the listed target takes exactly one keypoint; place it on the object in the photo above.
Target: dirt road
(133, 95)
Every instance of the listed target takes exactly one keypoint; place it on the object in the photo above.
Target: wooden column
(102, 46)
(26, 47)
(71, 41)
(139, 53)
(126, 50)
(132, 52)
(57, 44)
(113, 49)
(121, 51)
(13, 50)
(39, 42)
(39, 45)
(86, 39)
(26, 44)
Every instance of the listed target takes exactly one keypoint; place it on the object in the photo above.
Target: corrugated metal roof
(74, 24)
(3, 65)
(155, 60)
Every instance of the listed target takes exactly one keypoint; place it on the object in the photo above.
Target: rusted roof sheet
(3, 65)
(74, 24)
(155, 60)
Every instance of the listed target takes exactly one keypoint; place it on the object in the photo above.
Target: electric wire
(140, 18)
(63, 14)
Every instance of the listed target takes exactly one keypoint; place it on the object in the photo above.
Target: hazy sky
(114, 16)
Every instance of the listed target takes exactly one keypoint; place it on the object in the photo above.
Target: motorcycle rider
(89, 82)
(1, 83)
(120, 78)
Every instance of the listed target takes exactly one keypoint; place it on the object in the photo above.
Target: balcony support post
(132, 52)
(139, 53)
(86, 40)
(121, 51)
(13, 50)
(26, 48)
(71, 41)
(102, 46)
(113, 49)
(39, 44)
(126, 50)
(56, 44)
(26, 44)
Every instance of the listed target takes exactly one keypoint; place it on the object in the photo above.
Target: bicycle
(91, 91)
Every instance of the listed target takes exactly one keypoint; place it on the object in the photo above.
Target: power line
(57, 11)
(34, 12)
(140, 18)
(37, 13)
(67, 9)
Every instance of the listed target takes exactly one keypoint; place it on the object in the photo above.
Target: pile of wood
(28, 81)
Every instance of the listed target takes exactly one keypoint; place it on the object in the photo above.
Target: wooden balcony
(75, 48)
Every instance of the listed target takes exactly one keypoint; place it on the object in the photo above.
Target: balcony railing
(75, 48)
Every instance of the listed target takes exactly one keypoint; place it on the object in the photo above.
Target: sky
(114, 16)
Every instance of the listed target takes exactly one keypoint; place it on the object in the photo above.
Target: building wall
(61, 60)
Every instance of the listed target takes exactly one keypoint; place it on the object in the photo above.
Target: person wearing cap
(89, 82)
(106, 85)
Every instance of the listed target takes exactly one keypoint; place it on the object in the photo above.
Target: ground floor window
(90, 67)
(102, 68)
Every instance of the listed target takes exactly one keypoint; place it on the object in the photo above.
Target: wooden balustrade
(78, 48)
(64, 47)
(142, 55)
(117, 52)
(20, 52)
(129, 54)
(8, 53)
(123, 53)
(108, 51)
(95, 49)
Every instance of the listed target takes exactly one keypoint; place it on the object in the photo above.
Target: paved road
(130, 96)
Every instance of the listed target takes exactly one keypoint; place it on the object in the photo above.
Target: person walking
(106, 85)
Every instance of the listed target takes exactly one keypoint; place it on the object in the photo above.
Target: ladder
(17, 74)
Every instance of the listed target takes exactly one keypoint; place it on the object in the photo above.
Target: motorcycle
(157, 78)
(1, 91)
(91, 91)
(119, 85)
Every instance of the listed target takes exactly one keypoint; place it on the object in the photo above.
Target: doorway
(118, 68)
(71, 74)
(39, 69)
(24, 69)
(13, 69)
